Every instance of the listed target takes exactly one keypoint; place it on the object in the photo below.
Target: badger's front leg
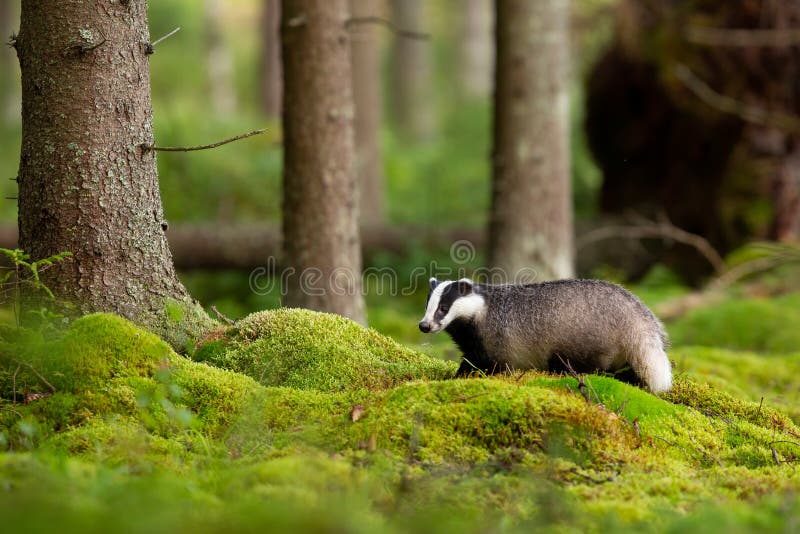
(473, 365)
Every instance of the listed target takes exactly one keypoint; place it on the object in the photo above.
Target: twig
(14, 383)
(740, 37)
(672, 443)
(148, 148)
(742, 270)
(610, 478)
(796, 444)
(481, 371)
(731, 106)
(580, 378)
(222, 317)
(470, 397)
(704, 453)
(150, 48)
(83, 48)
(760, 404)
(409, 34)
(43, 379)
(12, 410)
(651, 230)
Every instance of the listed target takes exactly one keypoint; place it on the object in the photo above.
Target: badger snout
(424, 326)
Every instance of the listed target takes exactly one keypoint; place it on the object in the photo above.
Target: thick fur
(588, 325)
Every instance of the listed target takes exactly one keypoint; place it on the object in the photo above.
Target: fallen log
(246, 246)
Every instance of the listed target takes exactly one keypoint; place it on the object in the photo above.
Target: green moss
(180, 323)
(471, 420)
(174, 311)
(715, 403)
(103, 365)
(746, 375)
(310, 350)
(757, 324)
(405, 450)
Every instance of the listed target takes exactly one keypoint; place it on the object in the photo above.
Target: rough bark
(367, 97)
(531, 218)
(411, 75)
(475, 48)
(219, 61)
(320, 198)
(271, 79)
(85, 185)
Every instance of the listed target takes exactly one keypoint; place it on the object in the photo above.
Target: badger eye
(444, 308)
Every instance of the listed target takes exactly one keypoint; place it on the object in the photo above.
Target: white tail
(652, 365)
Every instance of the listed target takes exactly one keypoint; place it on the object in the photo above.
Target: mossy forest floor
(297, 421)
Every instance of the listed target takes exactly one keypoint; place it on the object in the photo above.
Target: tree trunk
(320, 202)
(218, 61)
(367, 96)
(412, 102)
(270, 75)
(475, 48)
(531, 217)
(85, 184)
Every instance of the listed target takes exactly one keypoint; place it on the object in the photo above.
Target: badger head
(450, 301)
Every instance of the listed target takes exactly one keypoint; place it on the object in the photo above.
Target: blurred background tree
(531, 219)
(320, 186)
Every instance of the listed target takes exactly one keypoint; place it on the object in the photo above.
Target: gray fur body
(589, 324)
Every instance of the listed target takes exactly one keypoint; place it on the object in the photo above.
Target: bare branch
(43, 379)
(148, 148)
(726, 104)
(222, 317)
(150, 48)
(409, 34)
(81, 48)
(655, 230)
(579, 377)
(743, 37)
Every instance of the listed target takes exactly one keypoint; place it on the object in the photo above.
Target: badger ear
(433, 282)
(464, 287)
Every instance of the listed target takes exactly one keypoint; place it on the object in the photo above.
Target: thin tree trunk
(219, 61)
(320, 203)
(9, 95)
(531, 218)
(367, 96)
(85, 185)
(270, 76)
(786, 196)
(411, 73)
(476, 48)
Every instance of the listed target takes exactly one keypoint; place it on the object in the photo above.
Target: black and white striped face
(448, 301)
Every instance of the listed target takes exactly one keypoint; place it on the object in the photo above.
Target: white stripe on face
(433, 305)
(465, 307)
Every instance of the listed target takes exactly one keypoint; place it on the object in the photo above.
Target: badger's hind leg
(650, 363)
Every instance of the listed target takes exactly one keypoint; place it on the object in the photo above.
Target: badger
(566, 325)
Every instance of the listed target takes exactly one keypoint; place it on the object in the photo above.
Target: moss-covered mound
(775, 378)
(105, 366)
(310, 350)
